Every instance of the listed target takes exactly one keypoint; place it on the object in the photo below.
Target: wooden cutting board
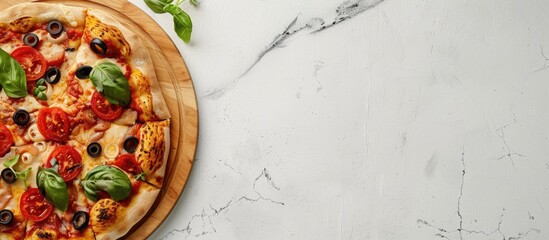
(176, 84)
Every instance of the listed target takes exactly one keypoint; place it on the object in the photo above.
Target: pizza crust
(141, 60)
(152, 151)
(111, 220)
(44, 12)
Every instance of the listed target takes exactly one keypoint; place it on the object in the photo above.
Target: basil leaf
(140, 177)
(12, 76)
(23, 175)
(53, 186)
(182, 22)
(10, 163)
(109, 80)
(109, 179)
(194, 3)
(40, 82)
(42, 96)
(157, 6)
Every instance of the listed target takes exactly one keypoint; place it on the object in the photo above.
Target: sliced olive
(83, 72)
(98, 46)
(6, 216)
(8, 175)
(94, 149)
(80, 220)
(130, 144)
(53, 75)
(31, 39)
(21, 117)
(55, 28)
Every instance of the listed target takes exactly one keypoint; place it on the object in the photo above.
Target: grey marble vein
(344, 11)
(349, 9)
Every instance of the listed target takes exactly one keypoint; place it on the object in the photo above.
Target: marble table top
(367, 119)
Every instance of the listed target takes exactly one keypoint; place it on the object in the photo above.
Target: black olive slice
(6, 216)
(83, 72)
(8, 175)
(31, 39)
(21, 117)
(55, 28)
(80, 220)
(130, 144)
(94, 149)
(53, 75)
(98, 46)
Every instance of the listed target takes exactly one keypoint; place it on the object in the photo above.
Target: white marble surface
(411, 119)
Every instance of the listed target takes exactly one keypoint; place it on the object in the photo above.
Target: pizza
(84, 127)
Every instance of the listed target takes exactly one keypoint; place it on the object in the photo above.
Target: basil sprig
(109, 80)
(12, 76)
(52, 185)
(23, 175)
(183, 25)
(109, 179)
(40, 90)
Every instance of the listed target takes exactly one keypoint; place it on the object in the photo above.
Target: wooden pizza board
(177, 87)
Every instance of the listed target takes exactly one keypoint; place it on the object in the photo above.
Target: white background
(411, 119)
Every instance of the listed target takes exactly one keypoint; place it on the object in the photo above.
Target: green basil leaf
(23, 175)
(195, 3)
(12, 76)
(157, 6)
(182, 22)
(109, 80)
(10, 163)
(40, 82)
(54, 187)
(109, 179)
(140, 177)
(42, 96)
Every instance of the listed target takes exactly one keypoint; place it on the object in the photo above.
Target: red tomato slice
(6, 140)
(104, 109)
(128, 163)
(53, 124)
(34, 206)
(69, 161)
(32, 62)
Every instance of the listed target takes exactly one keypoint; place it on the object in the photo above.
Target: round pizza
(84, 128)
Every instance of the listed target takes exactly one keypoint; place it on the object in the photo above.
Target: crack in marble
(545, 63)
(461, 193)
(501, 133)
(444, 233)
(344, 11)
(206, 218)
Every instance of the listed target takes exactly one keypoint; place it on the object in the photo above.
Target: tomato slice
(34, 206)
(128, 163)
(6, 140)
(32, 62)
(104, 109)
(69, 161)
(53, 124)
